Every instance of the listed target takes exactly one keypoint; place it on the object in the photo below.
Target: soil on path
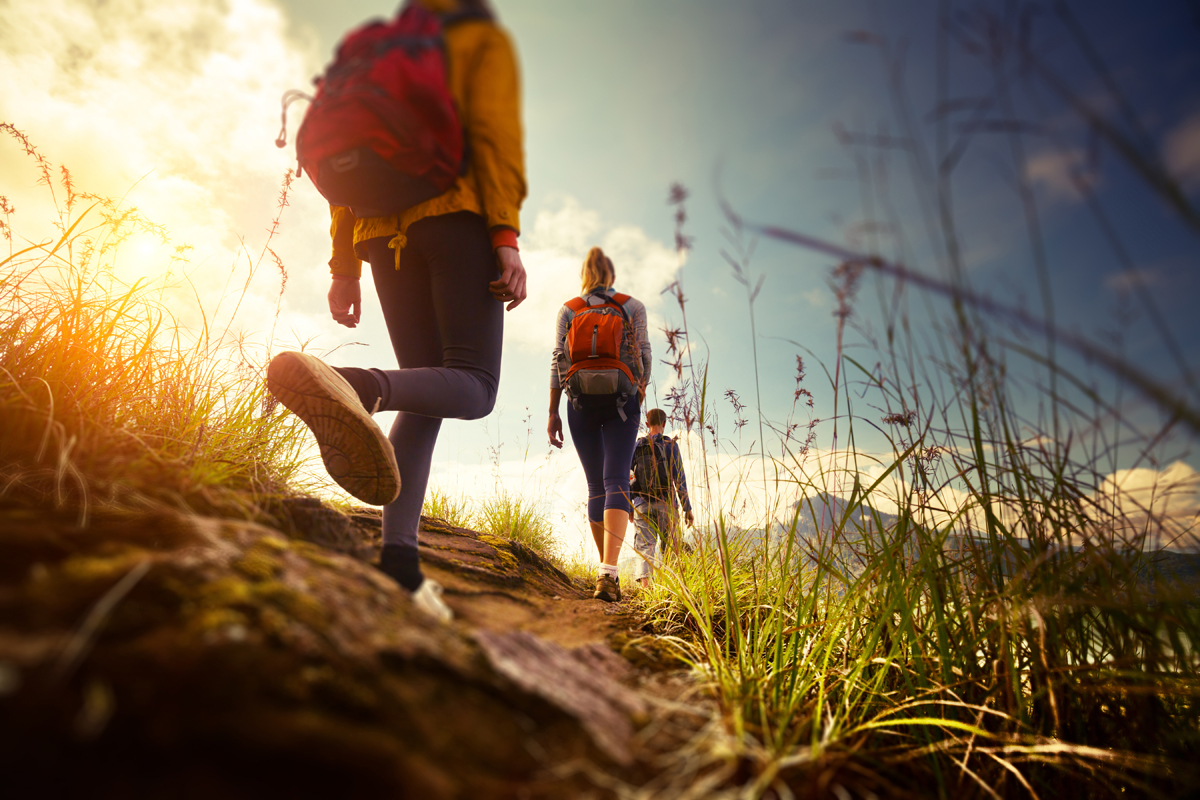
(496, 584)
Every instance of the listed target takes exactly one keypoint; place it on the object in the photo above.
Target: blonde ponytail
(597, 272)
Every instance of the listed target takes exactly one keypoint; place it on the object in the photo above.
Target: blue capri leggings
(605, 445)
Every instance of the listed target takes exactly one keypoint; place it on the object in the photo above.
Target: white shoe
(429, 600)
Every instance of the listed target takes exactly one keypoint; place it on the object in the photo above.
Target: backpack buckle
(344, 162)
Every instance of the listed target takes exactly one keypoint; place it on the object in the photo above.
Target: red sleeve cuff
(504, 237)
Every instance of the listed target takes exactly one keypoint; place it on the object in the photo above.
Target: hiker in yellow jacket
(443, 270)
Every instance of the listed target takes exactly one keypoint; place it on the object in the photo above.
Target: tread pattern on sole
(353, 448)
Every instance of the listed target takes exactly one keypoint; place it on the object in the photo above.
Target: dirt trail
(498, 585)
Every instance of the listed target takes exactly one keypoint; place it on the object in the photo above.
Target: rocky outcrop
(161, 654)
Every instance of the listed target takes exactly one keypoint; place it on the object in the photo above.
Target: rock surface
(159, 654)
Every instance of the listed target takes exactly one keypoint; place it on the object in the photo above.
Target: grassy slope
(990, 670)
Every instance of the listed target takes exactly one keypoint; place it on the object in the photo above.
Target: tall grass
(105, 398)
(516, 517)
(1004, 633)
(504, 514)
(455, 509)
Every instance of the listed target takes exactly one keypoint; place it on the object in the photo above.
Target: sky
(791, 114)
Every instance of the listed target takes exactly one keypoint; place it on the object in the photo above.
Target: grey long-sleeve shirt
(635, 353)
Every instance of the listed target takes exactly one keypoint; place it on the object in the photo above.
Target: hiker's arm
(345, 300)
(554, 428)
(493, 123)
(643, 342)
(675, 464)
(345, 295)
(341, 230)
(510, 287)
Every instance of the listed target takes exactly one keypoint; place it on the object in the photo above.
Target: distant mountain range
(822, 512)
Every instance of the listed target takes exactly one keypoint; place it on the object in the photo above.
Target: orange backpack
(591, 369)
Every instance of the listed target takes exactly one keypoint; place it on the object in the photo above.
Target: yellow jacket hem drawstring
(397, 243)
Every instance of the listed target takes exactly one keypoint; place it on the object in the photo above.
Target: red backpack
(383, 133)
(591, 368)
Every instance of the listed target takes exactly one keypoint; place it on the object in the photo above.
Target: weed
(1009, 630)
(515, 517)
(454, 509)
(105, 399)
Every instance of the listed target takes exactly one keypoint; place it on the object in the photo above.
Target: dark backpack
(591, 370)
(650, 477)
(383, 133)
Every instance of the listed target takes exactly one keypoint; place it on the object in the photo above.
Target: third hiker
(658, 479)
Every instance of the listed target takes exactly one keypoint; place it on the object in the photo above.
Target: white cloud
(1160, 506)
(1056, 173)
(1172, 490)
(1183, 151)
(1143, 507)
(1128, 280)
(175, 107)
(553, 250)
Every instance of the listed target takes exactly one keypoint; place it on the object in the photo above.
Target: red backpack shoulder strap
(576, 304)
(619, 298)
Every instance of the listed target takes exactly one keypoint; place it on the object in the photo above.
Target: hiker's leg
(406, 299)
(598, 536)
(655, 520)
(619, 439)
(455, 253)
(674, 533)
(665, 517)
(447, 342)
(616, 522)
(644, 541)
(585, 430)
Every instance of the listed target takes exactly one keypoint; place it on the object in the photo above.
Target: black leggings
(447, 331)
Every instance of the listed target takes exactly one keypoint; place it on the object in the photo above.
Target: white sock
(610, 571)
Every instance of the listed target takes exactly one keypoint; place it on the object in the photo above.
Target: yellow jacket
(486, 86)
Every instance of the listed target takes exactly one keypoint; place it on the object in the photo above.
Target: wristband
(504, 237)
(337, 277)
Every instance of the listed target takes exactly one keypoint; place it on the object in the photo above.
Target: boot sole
(356, 453)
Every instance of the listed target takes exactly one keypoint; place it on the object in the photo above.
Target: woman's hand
(511, 285)
(554, 429)
(345, 301)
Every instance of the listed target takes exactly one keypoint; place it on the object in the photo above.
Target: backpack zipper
(595, 334)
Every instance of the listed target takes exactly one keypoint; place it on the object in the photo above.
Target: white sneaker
(429, 600)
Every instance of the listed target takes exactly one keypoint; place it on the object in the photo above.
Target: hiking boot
(428, 598)
(608, 589)
(356, 453)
